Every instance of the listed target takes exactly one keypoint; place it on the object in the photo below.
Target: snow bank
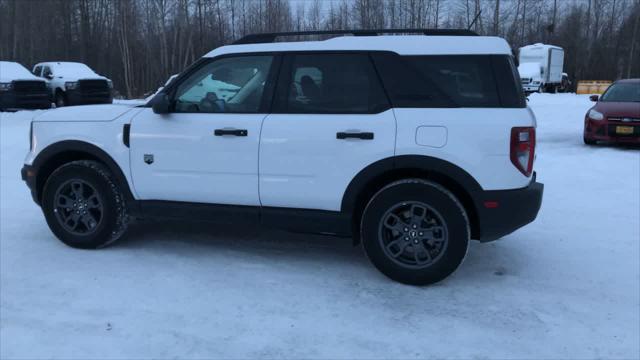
(566, 286)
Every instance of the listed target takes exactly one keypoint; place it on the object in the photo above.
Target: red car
(615, 118)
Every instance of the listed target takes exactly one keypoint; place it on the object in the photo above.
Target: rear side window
(449, 81)
(333, 84)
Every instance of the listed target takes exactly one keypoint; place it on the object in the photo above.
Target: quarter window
(442, 81)
(228, 85)
(334, 83)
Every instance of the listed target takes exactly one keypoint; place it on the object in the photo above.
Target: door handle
(233, 132)
(355, 135)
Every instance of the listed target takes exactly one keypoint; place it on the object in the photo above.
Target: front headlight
(71, 85)
(6, 86)
(595, 115)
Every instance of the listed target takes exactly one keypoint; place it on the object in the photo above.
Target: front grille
(31, 94)
(623, 119)
(94, 86)
(23, 87)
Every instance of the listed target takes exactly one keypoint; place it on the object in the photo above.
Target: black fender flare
(409, 163)
(44, 166)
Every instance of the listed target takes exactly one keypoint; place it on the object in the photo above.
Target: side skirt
(290, 219)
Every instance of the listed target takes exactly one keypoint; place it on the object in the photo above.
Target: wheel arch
(375, 176)
(60, 153)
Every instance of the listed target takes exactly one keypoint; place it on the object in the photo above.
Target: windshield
(622, 92)
(69, 69)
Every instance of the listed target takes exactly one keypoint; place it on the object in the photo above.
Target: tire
(84, 187)
(60, 99)
(392, 249)
(588, 141)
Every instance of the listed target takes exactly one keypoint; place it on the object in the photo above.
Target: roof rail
(271, 37)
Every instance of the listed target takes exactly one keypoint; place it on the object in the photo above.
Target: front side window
(622, 92)
(37, 70)
(227, 85)
(46, 71)
(334, 83)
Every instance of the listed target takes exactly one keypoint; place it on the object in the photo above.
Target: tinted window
(227, 85)
(508, 81)
(37, 70)
(333, 83)
(46, 71)
(448, 80)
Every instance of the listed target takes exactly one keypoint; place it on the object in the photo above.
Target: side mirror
(594, 98)
(160, 104)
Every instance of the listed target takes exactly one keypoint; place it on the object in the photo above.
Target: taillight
(523, 148)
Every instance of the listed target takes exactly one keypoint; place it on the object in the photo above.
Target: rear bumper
(504, 211)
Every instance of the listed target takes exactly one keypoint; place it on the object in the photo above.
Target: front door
(206, 149)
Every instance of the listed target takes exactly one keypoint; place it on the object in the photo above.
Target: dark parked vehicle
(19, 89)
(615, 118)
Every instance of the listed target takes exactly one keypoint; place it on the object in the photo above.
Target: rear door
(330, 121)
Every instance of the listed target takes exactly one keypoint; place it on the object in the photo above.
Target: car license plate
(624, 130)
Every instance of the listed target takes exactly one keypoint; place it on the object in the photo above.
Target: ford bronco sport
(410, 144)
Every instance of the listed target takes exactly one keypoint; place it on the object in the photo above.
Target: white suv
(72, 83)
(411, 144)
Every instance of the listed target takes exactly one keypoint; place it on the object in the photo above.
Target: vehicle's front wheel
(415, 231)
(83, 205)
(60, 99)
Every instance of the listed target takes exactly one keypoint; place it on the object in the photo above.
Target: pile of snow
(565, 286)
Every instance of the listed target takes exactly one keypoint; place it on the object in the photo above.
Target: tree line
(140, 43)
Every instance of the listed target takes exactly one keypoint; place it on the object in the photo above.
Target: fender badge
(148, 158)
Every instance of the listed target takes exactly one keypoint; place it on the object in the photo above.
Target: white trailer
(541, 68)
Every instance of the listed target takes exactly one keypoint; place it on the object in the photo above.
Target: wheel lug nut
(414, 226)
(415, 241)
(406, 238)
(420, 233)
(406, 229)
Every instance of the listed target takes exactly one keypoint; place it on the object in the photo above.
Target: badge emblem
(148, 158)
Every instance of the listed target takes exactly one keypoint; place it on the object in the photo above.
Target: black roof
(271, 37)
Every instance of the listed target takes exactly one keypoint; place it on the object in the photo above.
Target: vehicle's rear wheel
(588, 141)
(415, 231)
(83, 205)
(60, 99)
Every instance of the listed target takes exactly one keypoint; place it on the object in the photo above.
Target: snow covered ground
(566, 286)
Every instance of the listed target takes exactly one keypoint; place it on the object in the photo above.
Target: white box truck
(541, 68)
